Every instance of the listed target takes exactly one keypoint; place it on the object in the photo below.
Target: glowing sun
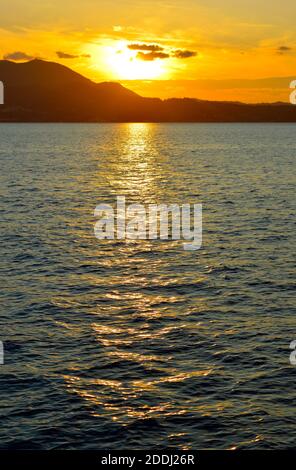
(125, 65)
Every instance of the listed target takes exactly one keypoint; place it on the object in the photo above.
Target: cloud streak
(18, 56)
(283, 50)
(150, 52)
(64, 55)
(183, 54)
(145, 47)
(150, 56)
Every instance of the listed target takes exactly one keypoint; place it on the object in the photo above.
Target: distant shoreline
(41, 91)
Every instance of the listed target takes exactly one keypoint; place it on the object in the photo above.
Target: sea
(140, 344)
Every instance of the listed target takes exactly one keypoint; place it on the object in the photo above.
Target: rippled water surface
(141, 344)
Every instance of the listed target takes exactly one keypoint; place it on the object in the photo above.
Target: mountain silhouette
(41, 91)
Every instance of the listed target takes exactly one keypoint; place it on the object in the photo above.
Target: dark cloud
(183, 54)
(283, 50)
(151, 52)
(18, 56)
(149, 56)
(145, 47)
(64, 55)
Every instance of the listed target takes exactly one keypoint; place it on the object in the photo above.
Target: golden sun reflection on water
(138, 310)
(136, 168)
(98, 396)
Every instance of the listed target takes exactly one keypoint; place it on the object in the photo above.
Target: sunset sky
(165, 47)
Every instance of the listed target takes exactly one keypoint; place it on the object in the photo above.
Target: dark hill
(40, 91)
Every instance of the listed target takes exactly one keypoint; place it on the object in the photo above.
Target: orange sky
(166, 48)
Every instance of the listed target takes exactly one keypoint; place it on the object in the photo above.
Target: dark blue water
(139, 344)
